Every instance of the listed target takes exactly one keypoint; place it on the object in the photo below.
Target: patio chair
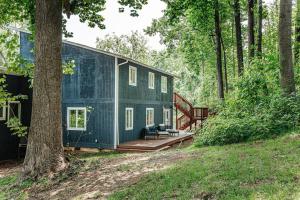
(151, 132)
(162, 130)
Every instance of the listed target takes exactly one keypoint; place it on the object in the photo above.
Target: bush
(268, 118)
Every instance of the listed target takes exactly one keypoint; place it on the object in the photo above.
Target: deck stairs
(190, 115)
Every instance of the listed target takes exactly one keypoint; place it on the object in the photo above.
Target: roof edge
(100, 51)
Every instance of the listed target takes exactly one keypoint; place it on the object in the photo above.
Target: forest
(238, 58)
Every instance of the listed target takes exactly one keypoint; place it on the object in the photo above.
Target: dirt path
(9, 168)
(109, 175)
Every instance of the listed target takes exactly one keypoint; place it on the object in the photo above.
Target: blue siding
(91, 85)
(141, 97)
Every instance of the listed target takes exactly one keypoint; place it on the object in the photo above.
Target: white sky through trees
(120, 23)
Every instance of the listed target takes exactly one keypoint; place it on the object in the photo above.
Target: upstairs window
(76, 118)
(128, 119)
(2, 111)
(149, 117)
(151, 80)
(132, 75)
(164, 84)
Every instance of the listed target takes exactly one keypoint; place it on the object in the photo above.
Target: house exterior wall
(141, 97)
(16, 85)
(91, 85)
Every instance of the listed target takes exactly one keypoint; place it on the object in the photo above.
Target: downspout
(116, 120)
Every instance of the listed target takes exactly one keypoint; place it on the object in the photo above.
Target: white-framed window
(151, 80)
(167, 116)
(149, 116)
(128, 119)
(132, 75)
(164, 84)
(76, 118)
(2, 111)
(13, 110)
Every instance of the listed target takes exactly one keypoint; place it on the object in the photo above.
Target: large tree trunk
(218, 51)
(238, 35)
(259, 35)
(297, 33)
(251, 40)
(285, 47)
(45, 150)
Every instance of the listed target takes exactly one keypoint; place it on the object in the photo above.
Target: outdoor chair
(162, 130)
(151, 132)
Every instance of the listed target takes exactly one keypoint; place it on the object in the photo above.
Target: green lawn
(258, 170)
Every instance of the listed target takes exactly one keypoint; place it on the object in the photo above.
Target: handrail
(190, 114)
(182, 98)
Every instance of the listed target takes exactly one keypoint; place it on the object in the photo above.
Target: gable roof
(101, 51)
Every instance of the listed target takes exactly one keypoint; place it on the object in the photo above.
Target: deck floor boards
(154, 144)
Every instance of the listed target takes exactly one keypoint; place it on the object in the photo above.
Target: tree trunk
(218, 52)
(297, 33)
(233, 49)
(238, 35)
(44, 153)
(285, 47)
(251, 40)
(259, 36)
(225, 64)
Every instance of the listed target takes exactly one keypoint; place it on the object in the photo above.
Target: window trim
(69, 109)
(129, 77)
(8, 110)
(149, 109)
(151, 83)
(3, 117)
(164, 84)
(128, 128)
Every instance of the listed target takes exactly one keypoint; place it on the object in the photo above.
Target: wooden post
(176, 118)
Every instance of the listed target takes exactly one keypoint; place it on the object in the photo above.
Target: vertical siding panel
(141, 97)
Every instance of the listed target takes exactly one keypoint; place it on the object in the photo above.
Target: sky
(118, 23)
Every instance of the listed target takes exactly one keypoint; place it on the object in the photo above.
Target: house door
(167, 116)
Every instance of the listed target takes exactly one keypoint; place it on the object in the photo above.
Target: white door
(167, 117)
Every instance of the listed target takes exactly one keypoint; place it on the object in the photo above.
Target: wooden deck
(164, 142)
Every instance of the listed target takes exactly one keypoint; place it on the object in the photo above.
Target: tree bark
(44, 153)
(259, 35)
(285, 47)
(297, 33)
(251, 39)
(225, 64)
(238, 36)
(233, 49)
(218, 51)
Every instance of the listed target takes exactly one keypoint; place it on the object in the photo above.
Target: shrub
(268, 118)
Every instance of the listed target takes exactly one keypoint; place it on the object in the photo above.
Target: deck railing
(190, 114)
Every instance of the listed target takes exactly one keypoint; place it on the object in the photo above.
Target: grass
(258, 170)
(11, 189)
